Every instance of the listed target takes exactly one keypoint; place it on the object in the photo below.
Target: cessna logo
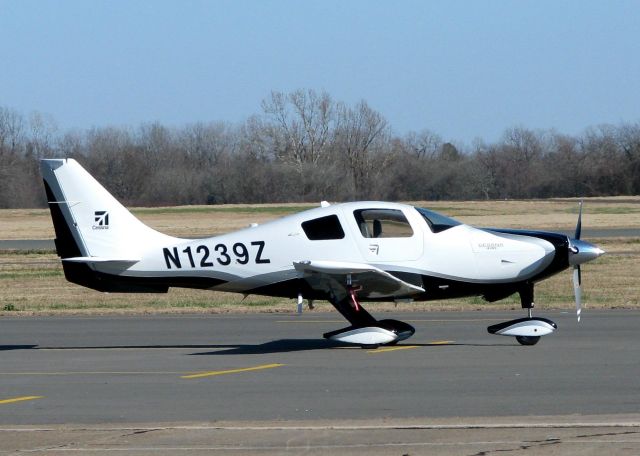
(101, 220)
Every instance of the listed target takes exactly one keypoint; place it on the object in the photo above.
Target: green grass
(605, 260)
(31, 273)
(188, 303)
(612, 210)
(38, 212)
(21, 305)
(76, 306)
(33, 252)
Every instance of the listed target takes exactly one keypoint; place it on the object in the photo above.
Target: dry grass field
(201, 221)
(33, 282)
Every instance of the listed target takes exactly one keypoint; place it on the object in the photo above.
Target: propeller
(577, 275)
(577, 289)
(580, 252)
(579, 224)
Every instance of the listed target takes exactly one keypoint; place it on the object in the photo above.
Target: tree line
(304, 147)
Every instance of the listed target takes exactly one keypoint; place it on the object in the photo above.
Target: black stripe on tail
(82, 274)
(66, 245)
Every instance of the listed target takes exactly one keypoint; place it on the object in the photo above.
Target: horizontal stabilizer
(103, 260)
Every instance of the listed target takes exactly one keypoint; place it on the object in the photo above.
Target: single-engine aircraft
(344, 253)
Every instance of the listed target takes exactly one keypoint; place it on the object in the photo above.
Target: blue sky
(462, 69)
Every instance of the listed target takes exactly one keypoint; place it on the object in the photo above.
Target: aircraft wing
(332, 277)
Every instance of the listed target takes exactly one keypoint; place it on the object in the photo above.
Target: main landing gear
(527, 331)
(366, 330)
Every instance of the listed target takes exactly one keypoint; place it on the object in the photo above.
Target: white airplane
(344, 253)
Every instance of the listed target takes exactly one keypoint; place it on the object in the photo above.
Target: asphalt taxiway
(587, 233)
(110, 374)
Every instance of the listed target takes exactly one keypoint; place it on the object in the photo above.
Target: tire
(528, 340)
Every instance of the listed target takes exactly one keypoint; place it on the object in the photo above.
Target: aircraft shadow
(17, 347)
(278, 346)
(297, 345)
(275, 346)
(112, 347)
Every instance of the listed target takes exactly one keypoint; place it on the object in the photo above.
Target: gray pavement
(27, 244)
(130, 369)
(80, 377)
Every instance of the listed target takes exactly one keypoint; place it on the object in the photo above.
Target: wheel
(528, 340)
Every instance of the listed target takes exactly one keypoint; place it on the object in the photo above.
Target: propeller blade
(577, 289)
(579, 225)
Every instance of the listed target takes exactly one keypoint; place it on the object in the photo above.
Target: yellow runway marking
(390, 349)
(441, 342)
(19, 399)
(231, 371)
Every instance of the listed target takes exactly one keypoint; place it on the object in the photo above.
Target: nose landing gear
(527, 340)
(527, 331)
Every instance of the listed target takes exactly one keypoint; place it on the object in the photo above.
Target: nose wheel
(527, 303)
(528, 340)
(527, 331)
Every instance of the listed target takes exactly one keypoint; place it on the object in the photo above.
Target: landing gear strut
(526, 301)
(366, 330)
(527, 331)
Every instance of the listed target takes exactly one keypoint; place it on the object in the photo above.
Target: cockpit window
(383, 223)
(437, 222)
(323, 228)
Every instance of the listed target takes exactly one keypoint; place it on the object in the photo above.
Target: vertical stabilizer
(88, 220)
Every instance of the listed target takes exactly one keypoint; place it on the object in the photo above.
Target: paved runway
(210, 384)
(136, 369)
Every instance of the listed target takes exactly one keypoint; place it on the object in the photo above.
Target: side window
(323, 228)
(383, 223)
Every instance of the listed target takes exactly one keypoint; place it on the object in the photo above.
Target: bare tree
(41, 140)
(607, 168)
(205, 144)
(629, 143)
(303, 146)
(423, 145)
(299, 127)
(360, 138)
(12, 138)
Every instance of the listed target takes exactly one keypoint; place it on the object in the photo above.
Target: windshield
(437, 222)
